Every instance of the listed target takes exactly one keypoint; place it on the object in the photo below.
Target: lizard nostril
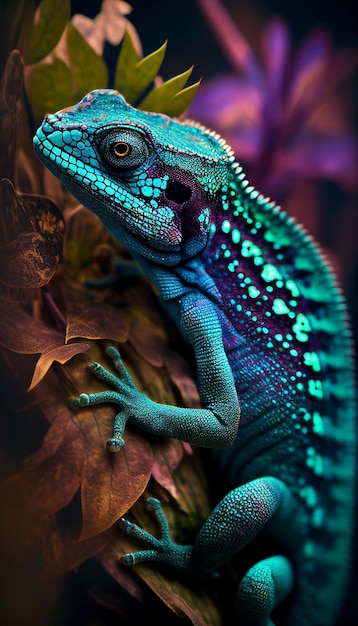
(177, 192)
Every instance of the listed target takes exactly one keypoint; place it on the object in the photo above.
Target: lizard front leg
(214, 425)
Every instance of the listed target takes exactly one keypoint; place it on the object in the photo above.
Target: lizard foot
(163, 549)
(124, 393)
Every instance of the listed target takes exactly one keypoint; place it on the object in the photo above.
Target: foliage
(134, 75)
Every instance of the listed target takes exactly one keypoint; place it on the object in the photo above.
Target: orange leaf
(111, 483)
(61, 354)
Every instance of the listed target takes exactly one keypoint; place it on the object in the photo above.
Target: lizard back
(293, 366)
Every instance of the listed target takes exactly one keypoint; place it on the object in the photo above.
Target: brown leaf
(186, 598)
(52, 475)
(93, 320)
(167, 455)
(53, 479)
(111, 483)
(31, 237)
(126, 578)
(152, 345)
(183, 377)
(60, 354)
(35, 338)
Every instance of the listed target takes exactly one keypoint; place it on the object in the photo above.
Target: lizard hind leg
(264, 586)
(234, 522)
(163, 549)
(232, 525)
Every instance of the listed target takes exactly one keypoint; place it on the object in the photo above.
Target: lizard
(254, 297)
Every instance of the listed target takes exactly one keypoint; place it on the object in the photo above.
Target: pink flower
(109, 25)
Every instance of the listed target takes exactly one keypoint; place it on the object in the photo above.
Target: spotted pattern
(265, 268)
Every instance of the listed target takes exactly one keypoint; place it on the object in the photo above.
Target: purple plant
(281, 115)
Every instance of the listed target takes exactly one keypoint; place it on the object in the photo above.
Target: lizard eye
(123, 149)
(120, 149)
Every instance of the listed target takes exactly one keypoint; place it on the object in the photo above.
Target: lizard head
(155, 182)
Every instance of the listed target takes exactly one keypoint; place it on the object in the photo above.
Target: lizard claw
(114, 444)
(82, 400)
(127, 560)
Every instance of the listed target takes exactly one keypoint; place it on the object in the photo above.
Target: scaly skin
(251, 293)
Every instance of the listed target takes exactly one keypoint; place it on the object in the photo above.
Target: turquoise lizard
(252, 295)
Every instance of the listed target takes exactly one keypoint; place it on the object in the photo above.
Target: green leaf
(126, 66)
(16, 24)
(134, 75)
(181, 101)
(126, 69)
(88, 68)
(54, 15)
(50, 88)
(157, 100)
(149, 65)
